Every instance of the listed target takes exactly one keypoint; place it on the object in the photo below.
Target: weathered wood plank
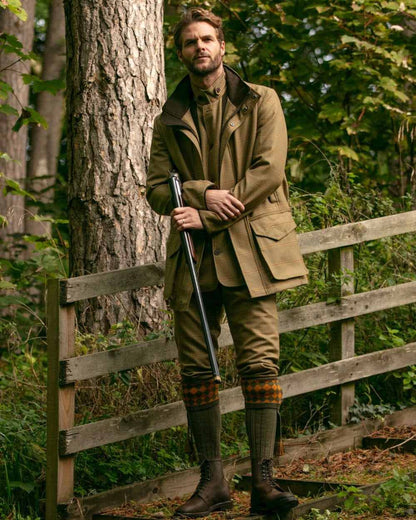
(61, 401)
(124, 358)
(183, 482)
(110, 282)
(89, 286)
(342, 333)
(391, 444)
(357, 232)
(101, 363)
(52, 451)
(328, 503)
(348, 370)
(349, 307)
(116, 429)
(299, 487)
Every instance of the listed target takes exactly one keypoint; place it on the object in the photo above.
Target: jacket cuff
(212, 222)
(194, 193)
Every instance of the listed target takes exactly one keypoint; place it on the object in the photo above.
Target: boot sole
(221, 506)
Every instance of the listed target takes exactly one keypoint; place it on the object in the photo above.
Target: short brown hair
(197, 14)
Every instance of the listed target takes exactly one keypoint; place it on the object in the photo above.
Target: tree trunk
(45, 142)
(115, 87)
(14, 143)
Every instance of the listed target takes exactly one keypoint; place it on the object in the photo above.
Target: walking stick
(188, 247)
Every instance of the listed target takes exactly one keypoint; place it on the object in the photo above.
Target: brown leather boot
(266, 495)
(211, 494)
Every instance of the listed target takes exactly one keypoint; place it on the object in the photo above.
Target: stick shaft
(187, 244)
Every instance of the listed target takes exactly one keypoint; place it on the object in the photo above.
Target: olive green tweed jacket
(253, 151)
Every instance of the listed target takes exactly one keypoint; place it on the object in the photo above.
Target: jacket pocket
(278, 245)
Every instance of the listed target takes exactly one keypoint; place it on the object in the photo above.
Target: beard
(206, 67)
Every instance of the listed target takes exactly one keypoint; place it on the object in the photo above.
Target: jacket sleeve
(157, 188)
(267, 168)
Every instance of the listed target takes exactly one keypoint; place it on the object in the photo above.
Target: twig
(398, 445)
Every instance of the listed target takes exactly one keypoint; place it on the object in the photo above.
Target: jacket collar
(180, 101)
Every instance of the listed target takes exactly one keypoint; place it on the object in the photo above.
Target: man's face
(201, 52)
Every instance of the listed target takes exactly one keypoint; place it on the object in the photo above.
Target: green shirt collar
(211, 94)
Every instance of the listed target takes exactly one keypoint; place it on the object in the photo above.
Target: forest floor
(355, 467)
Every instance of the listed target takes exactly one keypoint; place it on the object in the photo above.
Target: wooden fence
(64, 368)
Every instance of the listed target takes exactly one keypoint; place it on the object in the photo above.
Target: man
(227, 140)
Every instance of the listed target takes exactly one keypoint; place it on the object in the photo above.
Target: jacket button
(232, 123)
(245, 108)
(217, 252)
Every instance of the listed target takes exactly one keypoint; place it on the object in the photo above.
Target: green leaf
(8, 110)
(332, 112)
(9, 44)
(29, 116)
(26, 486)
(390, 85)
(322, 9)
(4, 284)
(5, 89)
(36, 118)
(345, 151)
(349, 39)
(13, 187)
(39, 85)
(15, 6)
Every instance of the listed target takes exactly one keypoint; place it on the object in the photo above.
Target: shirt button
(217, 90)
(245, 108)
(232, 123)
(217, 252)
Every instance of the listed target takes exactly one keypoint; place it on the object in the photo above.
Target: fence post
(342, 333)
(60, 401)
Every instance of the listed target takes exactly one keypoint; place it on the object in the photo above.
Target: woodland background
(76, 115)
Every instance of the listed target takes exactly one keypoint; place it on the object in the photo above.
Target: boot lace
(267, 474)
(205, 476)
(267, 471)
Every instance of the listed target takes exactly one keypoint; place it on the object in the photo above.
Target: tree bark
(115, 87)
(45, 142)
(14, 143)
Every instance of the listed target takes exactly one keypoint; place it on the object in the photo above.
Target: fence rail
(65, 369)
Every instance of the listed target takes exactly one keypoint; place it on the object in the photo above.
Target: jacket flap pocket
(173, 244)
(274, 226)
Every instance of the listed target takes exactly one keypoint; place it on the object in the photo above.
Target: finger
(235, 202)
(239, 205)
(176, 212)
(231, 212)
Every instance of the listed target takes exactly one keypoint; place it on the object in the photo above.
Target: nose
(200, 44)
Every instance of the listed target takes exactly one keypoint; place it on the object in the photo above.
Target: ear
(222, 44)
(179, 54)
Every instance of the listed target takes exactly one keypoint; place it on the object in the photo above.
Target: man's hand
(223, 203)
(186, 218)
